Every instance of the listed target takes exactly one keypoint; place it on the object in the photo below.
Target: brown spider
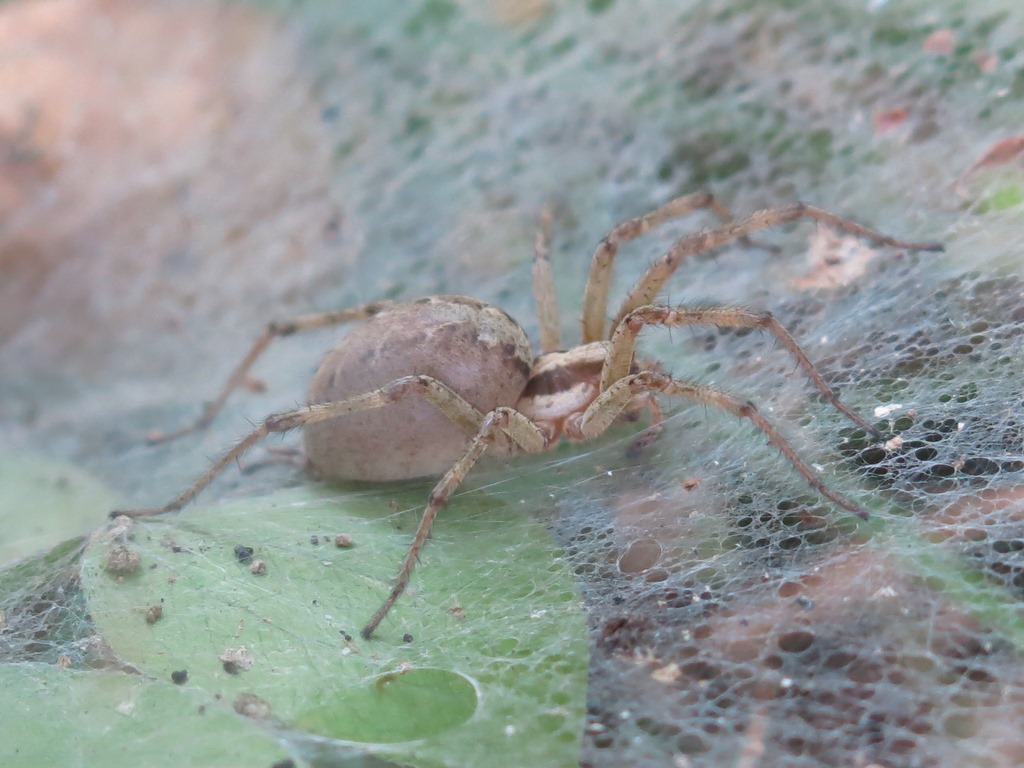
(424, 388)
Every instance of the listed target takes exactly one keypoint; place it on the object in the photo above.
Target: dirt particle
(236, 660)
(252, 706)
(122, 560)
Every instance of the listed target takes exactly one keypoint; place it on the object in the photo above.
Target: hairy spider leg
(650, 283)
(526, 435)
(610, 403)
(274, 329)
(439, 394)
(544, 295)
(595, 294)
(623, 344)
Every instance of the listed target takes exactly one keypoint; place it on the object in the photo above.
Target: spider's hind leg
(275, 329)
(440, 395)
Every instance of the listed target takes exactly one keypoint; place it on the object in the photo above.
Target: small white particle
(667, 674)
(786, 682)
(884, 410)
(125, 707)
(510, 730)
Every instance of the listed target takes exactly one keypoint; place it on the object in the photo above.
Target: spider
(425, 388)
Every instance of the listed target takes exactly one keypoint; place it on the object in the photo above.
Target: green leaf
(482, 661)
(44, 502)
(63, 717)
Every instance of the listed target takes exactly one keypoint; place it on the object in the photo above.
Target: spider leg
(272, 331)
(544, 295)
(595, 295)
(650, 403)
(508, 421)
(610, 403)
(623, 344)
(650, 283)
(445, 399)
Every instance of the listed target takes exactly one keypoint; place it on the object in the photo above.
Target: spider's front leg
(651, 282)
(595, 294)
(623, 345)
(610, 403)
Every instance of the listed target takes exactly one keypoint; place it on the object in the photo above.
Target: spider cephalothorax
(425, 388)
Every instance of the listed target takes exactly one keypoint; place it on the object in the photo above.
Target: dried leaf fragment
(1002, 152)
(835, 260)
(122, 560)
(252, 706)
(236, 660)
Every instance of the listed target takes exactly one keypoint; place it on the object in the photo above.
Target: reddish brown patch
(835, 260)
(887, 120)
(941, 42)
(1003, 152)
(986, 61)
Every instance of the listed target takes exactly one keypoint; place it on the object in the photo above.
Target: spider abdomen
(473, 347)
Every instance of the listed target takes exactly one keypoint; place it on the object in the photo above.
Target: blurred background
(173, 175)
